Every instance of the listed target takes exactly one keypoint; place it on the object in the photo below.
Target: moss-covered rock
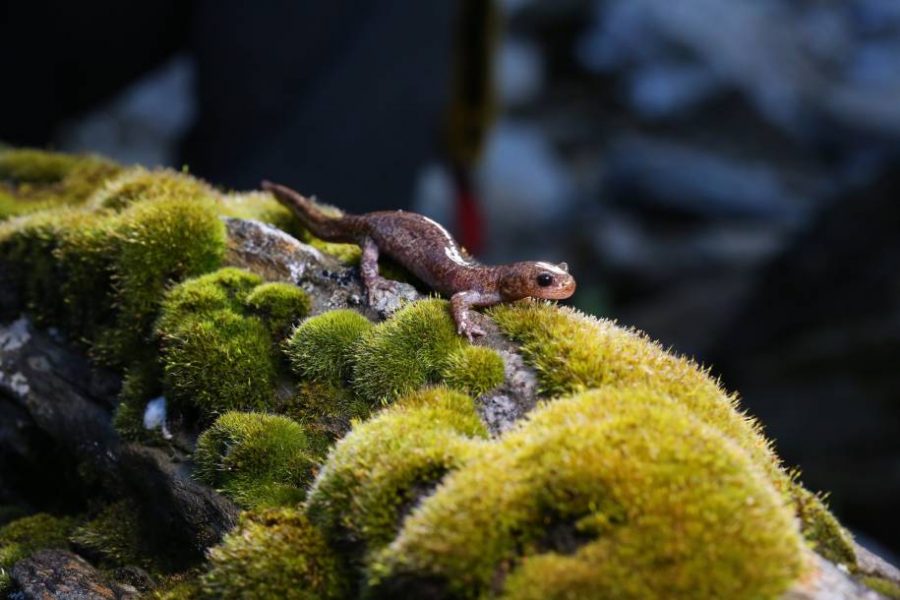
(610, 494)
(274, 554)
(375, 473)
(34, 180)
(255, 459)
(473, 369)
(24, 536)
(572, 352)
(321, 348)
(280, 305)
(405, 352)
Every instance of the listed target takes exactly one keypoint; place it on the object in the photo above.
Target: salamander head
(536, 280)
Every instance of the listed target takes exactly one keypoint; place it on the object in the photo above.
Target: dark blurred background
(724, 174)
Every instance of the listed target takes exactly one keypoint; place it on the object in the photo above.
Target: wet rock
(66, 576)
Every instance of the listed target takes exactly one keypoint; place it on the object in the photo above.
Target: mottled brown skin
(426, 249)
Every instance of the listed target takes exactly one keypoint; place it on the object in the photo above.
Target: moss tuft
(139, 184)
(320, 349)
(609, 494)
(375, 473)
(255, 459)
(821, 529)
(113, 537)
(405, 352)
(183, 586)
(280, 305)
(22, 537)
(274, 554)
(474, 370)
(33, 180)
(215, 358)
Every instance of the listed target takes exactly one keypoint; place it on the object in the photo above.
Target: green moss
(274, 554)
(257, 460)
(609, 494)
(215, 358)
(321, 348)
(113, 537)
(573, 352)
(280, 305)
(138, 184)
(377, 470)
(405, 352)
(885, 587)
(159, 243)
(326, 412)
(821, 529)
(261, 206)
(183, 586)
(27, 246)
(22, 537)
(474, 370)
(34, 180)
(101, 274)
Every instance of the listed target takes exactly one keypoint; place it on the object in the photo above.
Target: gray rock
(65, 576)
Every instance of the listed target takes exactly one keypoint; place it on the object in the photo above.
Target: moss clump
(139, 184)
(405, 352)
(33, 180)
(474, 370)
(884, 587)
(113, 537)
(821, 529)
(257, 460)
(215, 357)
(184, 586)
(23, 537)
(274, 554)
(573, 352)
(609, 494)
(100, 273)
(321, 348)
(280, 305)
(159, 243)
(376, 472)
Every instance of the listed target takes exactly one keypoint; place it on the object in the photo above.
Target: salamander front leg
(461, 304)
(368, 267)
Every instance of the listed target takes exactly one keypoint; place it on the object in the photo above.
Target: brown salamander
(426, 249)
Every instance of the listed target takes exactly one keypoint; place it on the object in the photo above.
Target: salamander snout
(537, 280)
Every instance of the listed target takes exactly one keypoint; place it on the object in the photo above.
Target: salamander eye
(544, 279)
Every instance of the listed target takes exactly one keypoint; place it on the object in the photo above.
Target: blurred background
(723, 174)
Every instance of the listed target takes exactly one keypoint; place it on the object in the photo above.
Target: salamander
(430, 253)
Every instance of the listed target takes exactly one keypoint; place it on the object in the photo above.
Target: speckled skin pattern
(426, 249)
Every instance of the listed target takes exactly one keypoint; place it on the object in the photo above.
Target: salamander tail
(334, 227)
